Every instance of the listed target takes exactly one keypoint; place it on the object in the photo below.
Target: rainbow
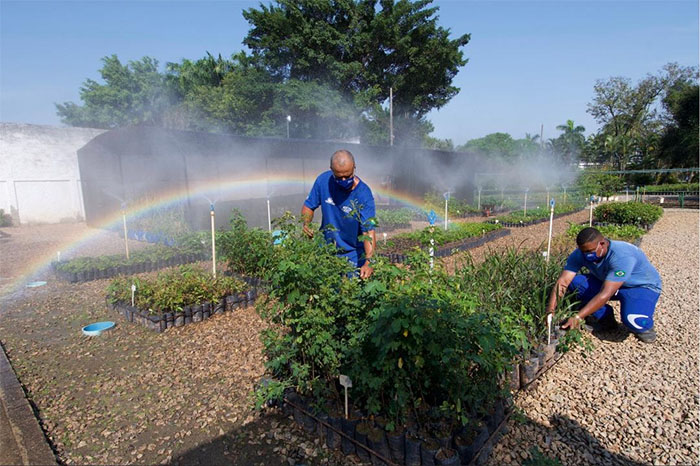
(209, 189)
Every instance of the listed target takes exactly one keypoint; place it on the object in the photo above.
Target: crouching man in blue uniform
(618, 271)
(347, 205)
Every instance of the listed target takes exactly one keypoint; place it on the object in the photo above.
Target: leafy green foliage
(455, 207)
(675, 187)
(5, 219)
(628, 213)
(388, 217)
(248, 251)
(679, 145)
(455, 232)
(514, 285)
(538, 212)
(629, 233)
(186, 244)
(601, 184)
(172, 290)
(167, 221)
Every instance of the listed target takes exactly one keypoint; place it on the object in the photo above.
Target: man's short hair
(587, 235)
(342, 153)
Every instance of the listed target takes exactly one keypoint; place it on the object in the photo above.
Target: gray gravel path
(625, 402)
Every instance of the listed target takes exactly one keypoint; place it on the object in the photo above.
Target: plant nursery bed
(88, 272)
(536, 221)
(397, 253)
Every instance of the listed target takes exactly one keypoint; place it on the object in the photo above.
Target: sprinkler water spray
(126, 236)
(551, 222)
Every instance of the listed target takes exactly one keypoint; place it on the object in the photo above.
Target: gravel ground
(184, 396)
(626, 402)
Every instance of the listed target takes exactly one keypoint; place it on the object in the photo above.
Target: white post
(551, 223)
(590, 215)
(525, 206)
(213, 242)
(133, 292)
(269, 219)
(549, 329)
(126, 236)
(478, 199)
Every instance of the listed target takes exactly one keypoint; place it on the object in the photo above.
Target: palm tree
(571, 141)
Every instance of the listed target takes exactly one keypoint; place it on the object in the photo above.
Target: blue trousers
(637, 304)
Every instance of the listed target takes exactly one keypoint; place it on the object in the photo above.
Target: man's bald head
(342, 160)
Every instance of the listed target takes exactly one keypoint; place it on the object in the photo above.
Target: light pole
(289, 118)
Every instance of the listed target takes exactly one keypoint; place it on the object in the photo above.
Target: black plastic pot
(470, 441)
(361, 431)
(169, 320)
(528, 370)
(495, 415)
(446, 456)
(206, 310)
(412, 456)
(187, 310)
(80, 277)
(348, 427)
(197, 313)
(229, 303)
(179, 319)
(220, 307)
(332, 436)
(397, 445)
(321, 429)
(163, 323)
(377, 442)
(428, 449)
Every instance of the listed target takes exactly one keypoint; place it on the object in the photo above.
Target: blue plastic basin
(94, 330)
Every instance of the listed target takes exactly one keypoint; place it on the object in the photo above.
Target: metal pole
(213, 242)
(391, 116)
(551, 223)
(445, 213)
(478, 200)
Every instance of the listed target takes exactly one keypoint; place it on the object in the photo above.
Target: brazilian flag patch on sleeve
(620, 273)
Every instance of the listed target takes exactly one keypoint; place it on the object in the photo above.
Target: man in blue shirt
(618, 271)
(347, 205)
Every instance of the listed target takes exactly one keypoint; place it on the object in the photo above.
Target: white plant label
(345, 381)
(133, 292)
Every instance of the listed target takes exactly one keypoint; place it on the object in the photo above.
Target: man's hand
(572, 323)
(308, 231)
(366, 271)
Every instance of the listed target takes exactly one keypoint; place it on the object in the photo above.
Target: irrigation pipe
(343, 434)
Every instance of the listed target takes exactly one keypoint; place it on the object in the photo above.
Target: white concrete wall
(39, 176)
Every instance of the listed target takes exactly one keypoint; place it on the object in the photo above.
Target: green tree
(362, 48)
(628, 113)
(679, 142)
(569, 144)
(135, 93)
(492, 145)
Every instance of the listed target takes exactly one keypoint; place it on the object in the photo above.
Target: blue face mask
(345, 185)
(592, 256)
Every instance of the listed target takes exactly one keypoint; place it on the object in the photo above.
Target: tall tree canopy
(362, 48)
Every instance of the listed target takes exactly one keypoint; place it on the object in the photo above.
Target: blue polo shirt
(349, 212)
(624, 262)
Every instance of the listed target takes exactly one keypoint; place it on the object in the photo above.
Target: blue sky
(530, 62)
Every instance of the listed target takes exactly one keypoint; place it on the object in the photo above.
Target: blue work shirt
(349, 212)
(624, 262)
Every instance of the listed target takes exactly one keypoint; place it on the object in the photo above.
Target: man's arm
(559, 289)
(307, 216)
(369, 244)
(606, 292)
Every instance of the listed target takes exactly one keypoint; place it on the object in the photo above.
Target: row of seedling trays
(192, 313)
(97, 273)
(452, 248)
(369, 439)
(529, 223)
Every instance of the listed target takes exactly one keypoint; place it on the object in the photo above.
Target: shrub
(628, 213)
(455, 232)
(248, 251)
(680, 187)
(386, 217)
(5, 219)
(629, 233)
